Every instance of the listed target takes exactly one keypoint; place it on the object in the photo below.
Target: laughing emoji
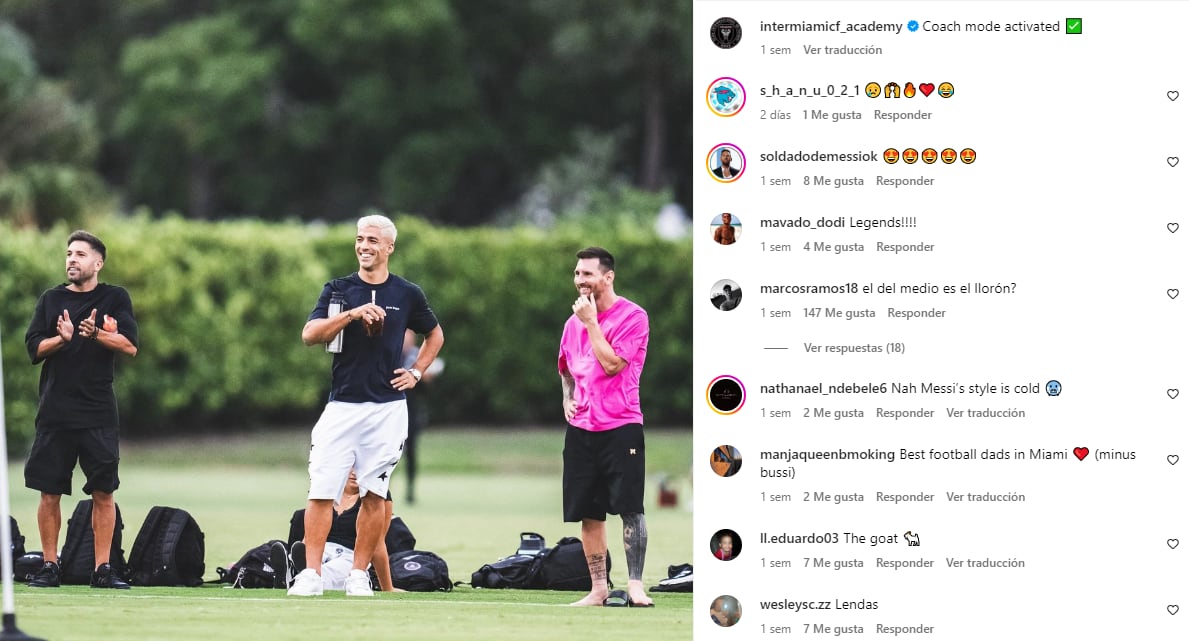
(945, 90)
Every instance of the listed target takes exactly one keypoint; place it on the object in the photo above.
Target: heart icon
(1173, 609)
(1173, 160)
(1081, 452)
(1173, 543)
(1173, 95)
(1173, 458)
(1173, 293)
(927, 88)
(1173, 393)
(1173, 227)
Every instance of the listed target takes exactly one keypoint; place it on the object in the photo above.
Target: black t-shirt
(342, 528)
(76, 381)
(362, 371)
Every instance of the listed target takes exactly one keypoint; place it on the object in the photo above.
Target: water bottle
(334, 309)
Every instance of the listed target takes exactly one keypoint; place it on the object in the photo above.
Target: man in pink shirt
(603, 346)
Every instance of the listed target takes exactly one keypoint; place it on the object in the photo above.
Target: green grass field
(476, 491)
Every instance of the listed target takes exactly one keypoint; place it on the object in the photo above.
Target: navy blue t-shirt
(362, 371)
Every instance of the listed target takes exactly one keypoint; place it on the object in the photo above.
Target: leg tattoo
(635, 544)
(598, 567)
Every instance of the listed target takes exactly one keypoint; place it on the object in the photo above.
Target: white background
(1069, 199)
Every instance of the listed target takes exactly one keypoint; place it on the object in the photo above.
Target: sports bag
(18, 541)
(518, 571)
(563, 566)
(253, 570)
(169, 550)
(420, 571)
(77, 560)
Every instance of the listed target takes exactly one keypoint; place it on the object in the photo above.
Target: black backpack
(18, 541)
(563, 566)
(419, 571)
(252, 570)
(169, 550)
(518, 571)
(78, 552)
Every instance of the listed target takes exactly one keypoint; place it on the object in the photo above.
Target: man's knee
(51, 500)
(635, 522)
(103, 499)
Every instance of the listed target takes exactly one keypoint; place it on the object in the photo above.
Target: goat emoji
(914, 540)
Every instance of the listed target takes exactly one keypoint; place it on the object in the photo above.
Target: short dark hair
(606, 260)
(90, 239)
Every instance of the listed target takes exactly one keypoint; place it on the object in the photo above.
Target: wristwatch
(415, 372)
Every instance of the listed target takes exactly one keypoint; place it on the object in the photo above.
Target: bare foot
(637, 595)
(592, 599)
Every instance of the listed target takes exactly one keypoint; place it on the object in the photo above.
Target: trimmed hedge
(221, 307)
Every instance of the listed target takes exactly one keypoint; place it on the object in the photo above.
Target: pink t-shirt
(606, 402)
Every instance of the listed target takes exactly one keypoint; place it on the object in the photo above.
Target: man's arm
(323, 330)
(612, 363)
(115, 341)
(584, 308)
(434, 340)
(39, 341)
(568, 404)
(108, 336)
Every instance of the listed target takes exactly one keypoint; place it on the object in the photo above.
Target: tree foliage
(307, 108)
(47, 142)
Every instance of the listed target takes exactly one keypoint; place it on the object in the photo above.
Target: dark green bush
(221, 307)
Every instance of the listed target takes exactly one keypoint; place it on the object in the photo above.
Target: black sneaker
(105, 577)
(297, 554)
(49, 576)
(278, 558)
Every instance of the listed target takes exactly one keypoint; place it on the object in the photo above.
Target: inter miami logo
(726, 33)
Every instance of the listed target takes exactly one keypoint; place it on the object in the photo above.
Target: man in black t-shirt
(365, 422)
(76, 331)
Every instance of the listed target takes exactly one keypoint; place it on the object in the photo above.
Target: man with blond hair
(365, 422)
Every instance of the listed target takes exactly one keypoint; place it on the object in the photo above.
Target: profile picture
(725, 33)
(726, 96)
(726, 228)
(725, 394)
(726, 295)
(726, 611)
(726, 460)
(726, 163)
(725, 545)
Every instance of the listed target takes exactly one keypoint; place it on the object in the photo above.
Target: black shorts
(50, 468)
(603, 473)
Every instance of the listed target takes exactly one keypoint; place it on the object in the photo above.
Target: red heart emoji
(1081, 452)
(926, 88)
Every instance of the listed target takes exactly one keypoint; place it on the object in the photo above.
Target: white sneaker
(358, 584)
(306, 583)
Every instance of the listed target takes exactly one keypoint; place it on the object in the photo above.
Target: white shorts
(366, 437)
(337, 562)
